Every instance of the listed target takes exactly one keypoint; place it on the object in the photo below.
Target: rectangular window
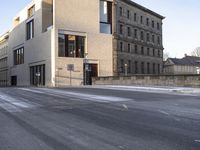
(120, 11)
(129, 48)
(148, 68)
(121, 29)
(154, 68)
(37, 75)
(135, 17)
(153, 24)
(136, 67)
(153, 38)
(136, 49)
(19, 56)
(129, 31)
(141, 19)
(121, 46)
(142, 67)
(148, 51)
(135, 33)
(30, 30)
(128, 14)
(129, 66)
(158, 68)
(31, 11)
(158, 53)
(147, 21)
(158, 26)
(142, 35)
(122, 66)
(142, 50)
(105, 17)
(153, 52)
(148, 39)
(158, 40)
(71, 46)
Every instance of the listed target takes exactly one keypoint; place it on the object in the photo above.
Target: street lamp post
(126, 69)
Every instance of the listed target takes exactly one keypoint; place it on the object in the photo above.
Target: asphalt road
(97, 119)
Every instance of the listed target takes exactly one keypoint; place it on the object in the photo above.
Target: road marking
(31, 90)
(82, 96)
(12, 104)
(163, 112)
(198, 141)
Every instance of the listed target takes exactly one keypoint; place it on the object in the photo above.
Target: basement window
(105, 17)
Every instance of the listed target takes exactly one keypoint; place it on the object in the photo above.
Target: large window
(71, 46)
(105, 16)
(19, 56)
(30, 30)
(37, 75)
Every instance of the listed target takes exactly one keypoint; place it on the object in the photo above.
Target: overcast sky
(181, 30)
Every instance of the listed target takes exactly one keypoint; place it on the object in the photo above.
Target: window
(158, 40)
(148, 68)
(121, 29)
(135, 17)
(153, 38)
(154, 68)
(158, 53)
(152, 24)
(120, 11)
(158, 68)
(142, 67)
(158, 26)
(129, 31)
(136, 67)
(105, 17)
(135, 33)
(142, 35)
(129, 48)
(37, 75)
(30, 30)
(121, 46)
(31, 11)
(142, 50)
(122, 66)
(147, 21)
(153, 52)
(128, 14)
(141, 19)
(148, 51)
(71, 46)
(136, 49)
(18, 56)
(129, 66)
(148, 39)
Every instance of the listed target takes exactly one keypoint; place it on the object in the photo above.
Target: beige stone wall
(151, 80)
(82, 18)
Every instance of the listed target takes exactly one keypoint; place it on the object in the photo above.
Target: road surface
(97, 119)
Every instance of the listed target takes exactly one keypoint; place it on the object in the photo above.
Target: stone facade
(138, 39)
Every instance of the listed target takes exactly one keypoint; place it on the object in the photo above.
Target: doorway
(13, 80)
(90, 71)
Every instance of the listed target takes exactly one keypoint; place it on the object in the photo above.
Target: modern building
(186, 65)
(63, 42)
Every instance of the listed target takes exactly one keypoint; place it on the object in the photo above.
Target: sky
(181, 28)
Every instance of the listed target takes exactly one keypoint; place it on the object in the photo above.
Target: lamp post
(126, 69)
(85, 67)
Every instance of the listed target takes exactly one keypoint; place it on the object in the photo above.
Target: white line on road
(198, 141)
(163, 112)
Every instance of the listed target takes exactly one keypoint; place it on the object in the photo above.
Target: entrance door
(90, 71)
(13, 80)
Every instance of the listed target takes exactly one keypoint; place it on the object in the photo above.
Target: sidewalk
(154, 89)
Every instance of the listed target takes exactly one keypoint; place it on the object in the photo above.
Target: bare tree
(165, 56)
(196, 52)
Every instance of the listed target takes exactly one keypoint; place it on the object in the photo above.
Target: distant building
(94, 37)
(186, 65)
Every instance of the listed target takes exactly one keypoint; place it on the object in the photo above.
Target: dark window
(121, 46)
(153, 52)
(121, 29)
(30, 30)
(136, 67)
(129, 48)
(141, 19)
(142, 50)
(158, 53)
(128, 14)
(129, 66)
(142, 35)
(142, 67)
(135, 33)
(153, 38)
(153, 24)
(136, 49)
(135, 17)
(158, 40)
(37, 75)
(105, 17)
(129, 31)
(120, 11)
(147, 21)
(19, 56)
(71, 46)
(158, 26)
(154, 68)
(158, 68)
(122, 66)
(148, 51)
(148, 39)
(148, 68)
